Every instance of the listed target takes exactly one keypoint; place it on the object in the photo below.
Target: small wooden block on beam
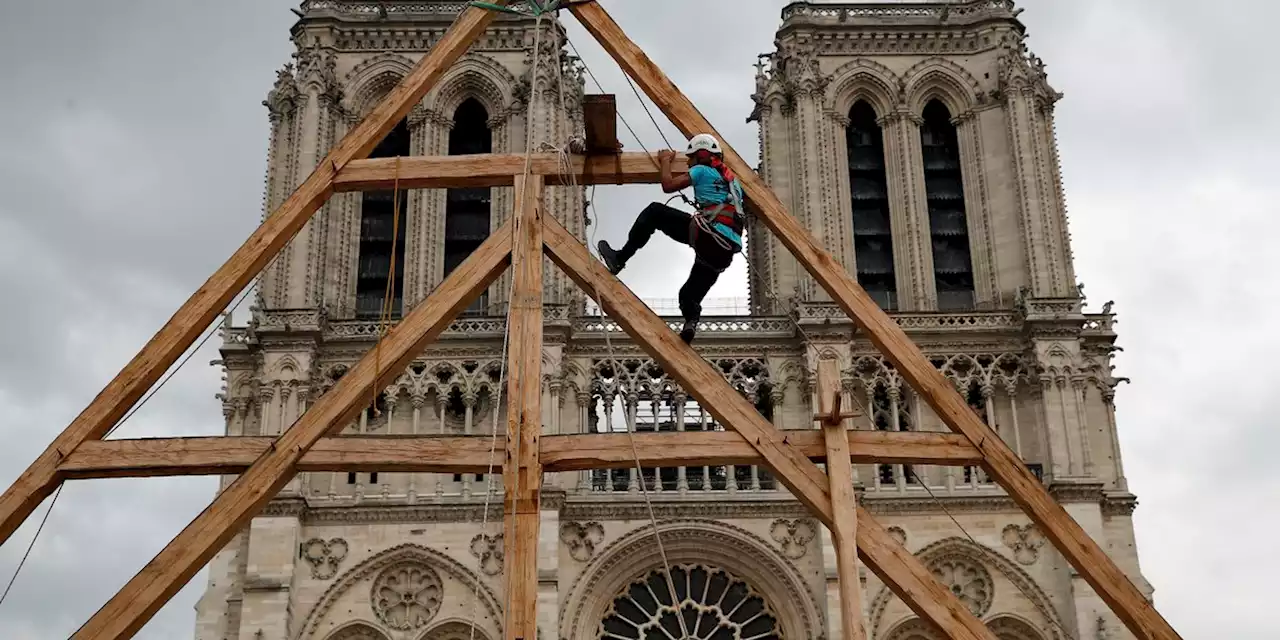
(600, 112)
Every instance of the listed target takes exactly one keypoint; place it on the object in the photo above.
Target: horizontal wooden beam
(470, 454)
(498, 170)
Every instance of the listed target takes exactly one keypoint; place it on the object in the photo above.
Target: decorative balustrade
(896, 11)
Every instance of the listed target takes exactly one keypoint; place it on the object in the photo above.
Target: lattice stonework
(407, 597)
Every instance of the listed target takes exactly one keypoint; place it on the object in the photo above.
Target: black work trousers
(711, 259)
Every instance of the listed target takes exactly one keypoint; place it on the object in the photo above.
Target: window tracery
(715, 605)
(406, 596)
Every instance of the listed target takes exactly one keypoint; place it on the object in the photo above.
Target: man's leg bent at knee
(701, 278)
(672, 222)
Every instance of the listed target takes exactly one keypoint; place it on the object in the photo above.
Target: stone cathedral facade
(916, 141)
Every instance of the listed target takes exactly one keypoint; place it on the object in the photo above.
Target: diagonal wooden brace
(1098, 569)
(134, 605)
(899, 569)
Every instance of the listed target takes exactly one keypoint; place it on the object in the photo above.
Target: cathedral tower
(916, 140)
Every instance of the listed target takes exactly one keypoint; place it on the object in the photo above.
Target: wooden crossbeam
(229, 455)
(899, 569)
(1001, 462)
(843, 501)
(215, 526)
(522, 472)
(498, 170)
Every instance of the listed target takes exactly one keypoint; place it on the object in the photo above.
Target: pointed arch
(358, 630)
(454, 630)
(872, 221)
(358, 576)
(475, 76)
(468, 213)
(963, 549)
(370, 80)
(868, 80)
(1011, 627)
(696, 542)
(948, 216)
(940, 79)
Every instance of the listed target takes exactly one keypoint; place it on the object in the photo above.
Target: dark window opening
(467, 211)
(373, 478)
(869, 188)
(381, 239)
(948, 224)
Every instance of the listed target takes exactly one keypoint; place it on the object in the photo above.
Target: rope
(33, 542)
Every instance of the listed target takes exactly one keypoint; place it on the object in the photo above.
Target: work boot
(610, 257)
(690, 328)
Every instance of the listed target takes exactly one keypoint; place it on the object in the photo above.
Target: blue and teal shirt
(710, 189)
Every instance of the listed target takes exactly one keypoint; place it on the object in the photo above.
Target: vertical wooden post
(843, 501)
(522, 475)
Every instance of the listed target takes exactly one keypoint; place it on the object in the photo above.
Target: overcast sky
(132, 146)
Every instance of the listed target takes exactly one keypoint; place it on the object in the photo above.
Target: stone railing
(376, 9)
(724, 326)
(842, 13)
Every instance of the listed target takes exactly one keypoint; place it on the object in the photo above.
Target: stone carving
(793, 536)
(324, 556)
(969, 581)
(899, 534)
(1103, 632)
(582, 539)
(1025, 542)
(407, 596)
(489, 550)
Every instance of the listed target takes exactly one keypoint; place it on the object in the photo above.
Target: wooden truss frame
(265, 465)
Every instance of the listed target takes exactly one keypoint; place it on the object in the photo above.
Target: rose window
(715, 605)
(406, 596)
(968, 581)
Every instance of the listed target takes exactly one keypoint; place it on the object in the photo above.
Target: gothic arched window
(948, 226)
(467, 211)
(715, 605)
(380, 239)
(869, 190)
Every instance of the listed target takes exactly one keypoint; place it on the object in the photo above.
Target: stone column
(909, 211)
(1043, 213)
(982, 245)
(419, 236)
(268, 580)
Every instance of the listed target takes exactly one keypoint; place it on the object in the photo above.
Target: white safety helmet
(701, 142)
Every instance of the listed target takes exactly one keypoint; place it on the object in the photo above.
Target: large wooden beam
(1002, 463)
(199, 311)
(522, 472)
(130, 609)
(229, 455)
(496, 170)
(843, 501)
(893, 563)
